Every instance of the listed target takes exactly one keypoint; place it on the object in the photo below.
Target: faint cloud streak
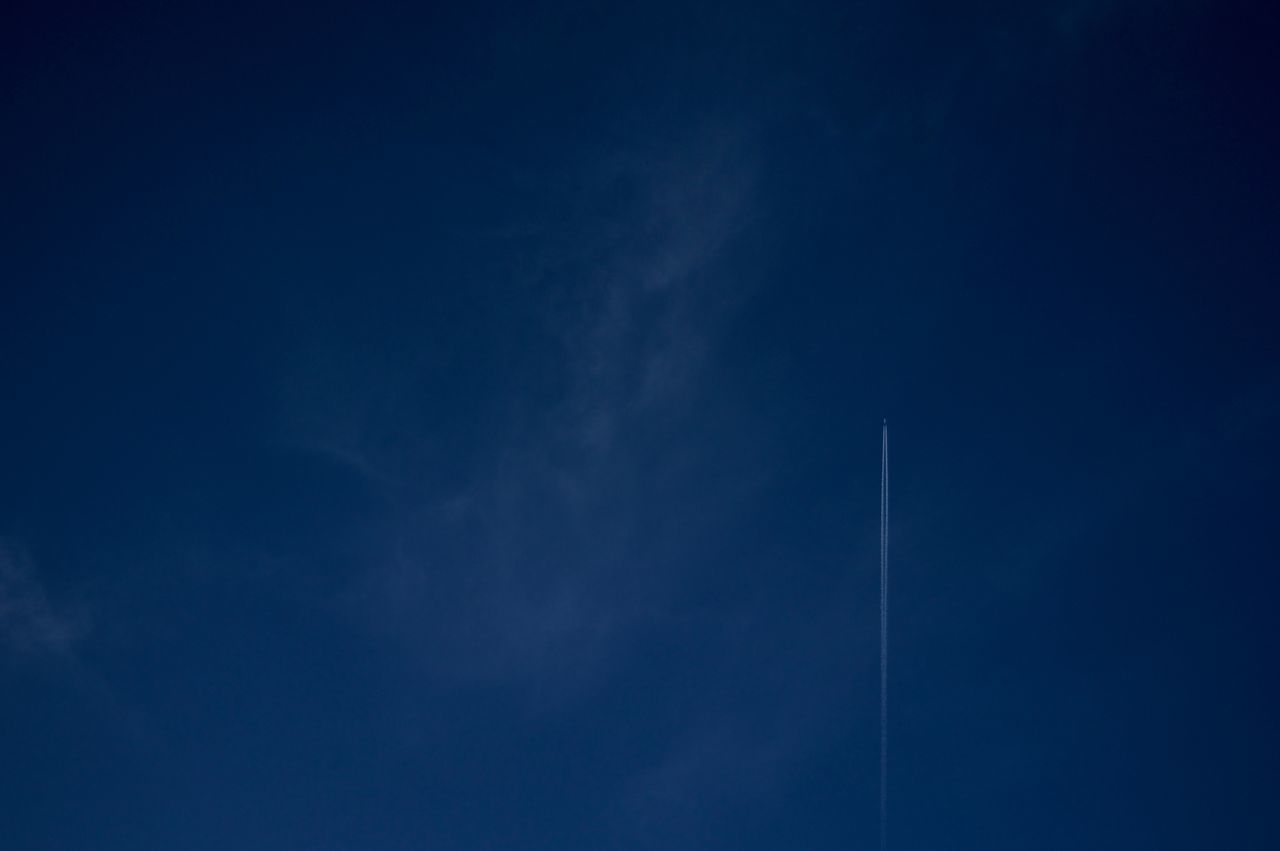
(542, 566)
(31, 625)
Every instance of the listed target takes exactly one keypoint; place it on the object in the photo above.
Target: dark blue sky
(459, 428)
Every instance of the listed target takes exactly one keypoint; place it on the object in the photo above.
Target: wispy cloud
(537, 568)
(644, 300)
(541, 559)
(31, 625)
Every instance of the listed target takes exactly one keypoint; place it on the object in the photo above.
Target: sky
(458, 427)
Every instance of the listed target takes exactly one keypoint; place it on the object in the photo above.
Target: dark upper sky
(459, 428)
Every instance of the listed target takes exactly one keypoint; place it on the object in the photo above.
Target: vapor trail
(884, 637)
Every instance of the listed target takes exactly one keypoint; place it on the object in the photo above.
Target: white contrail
(884, 637)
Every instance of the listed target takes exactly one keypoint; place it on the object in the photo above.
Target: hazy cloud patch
(31, 624)
(558, 541)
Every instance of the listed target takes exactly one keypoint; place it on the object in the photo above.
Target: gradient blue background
(458, 428)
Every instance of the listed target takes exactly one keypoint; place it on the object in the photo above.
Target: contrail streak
(884, 637)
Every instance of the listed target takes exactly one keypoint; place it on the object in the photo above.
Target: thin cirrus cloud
(31, 624)
(543, 558)
(541, 564)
